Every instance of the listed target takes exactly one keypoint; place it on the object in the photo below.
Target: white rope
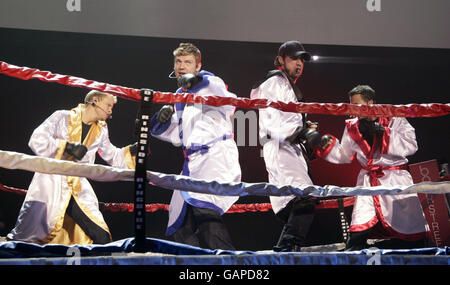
(14, 160)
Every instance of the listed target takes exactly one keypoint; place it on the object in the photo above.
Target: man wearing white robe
(381, 146)
(205, 134)
(285, 144)
(64, 209)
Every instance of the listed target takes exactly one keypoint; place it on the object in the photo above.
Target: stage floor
(162, 252)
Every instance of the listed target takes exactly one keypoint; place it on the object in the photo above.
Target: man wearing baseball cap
(296, 57)
(287, 139)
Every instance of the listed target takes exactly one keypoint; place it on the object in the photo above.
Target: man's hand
(134, 149)
(326, 141)
(76, 150)
(371, 127)
(294, 138)
(188, 80)
(165, 114)
(313, 125)
(376, 128)
(307, 135)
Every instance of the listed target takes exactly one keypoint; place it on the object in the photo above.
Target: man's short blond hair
(187, 49)
(97, 94)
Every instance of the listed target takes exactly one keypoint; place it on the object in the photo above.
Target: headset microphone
(171, 75)
(95, 105)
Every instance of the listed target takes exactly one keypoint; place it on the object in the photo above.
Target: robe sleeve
(114, 156)
(217, 87)
(168, 132)
(46, 139)
(399, 138)
(339, 152)
(278, 124)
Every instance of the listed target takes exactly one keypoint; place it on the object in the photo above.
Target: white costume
(285, 162)
(385, 163)
(42, 218)
(206, 136)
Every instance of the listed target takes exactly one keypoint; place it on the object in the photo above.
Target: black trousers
(203, 228)
(96, 233)
(358, 240)
(297, 217)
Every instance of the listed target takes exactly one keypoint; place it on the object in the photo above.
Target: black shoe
(356, 247)
(287, 248)
(358, 240)
(288, 243)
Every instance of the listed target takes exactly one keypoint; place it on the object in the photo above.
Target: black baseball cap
(293, 49)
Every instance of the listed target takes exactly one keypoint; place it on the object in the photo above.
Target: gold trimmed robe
(42, 217)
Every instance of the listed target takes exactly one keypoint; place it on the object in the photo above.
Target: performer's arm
(45, 140)
(399, 138)
(114, 156)
(279, 125)
(336, 151)
(165, 129)
(217, 87)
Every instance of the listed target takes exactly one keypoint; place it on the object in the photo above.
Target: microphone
(95, 105)
(171, 75)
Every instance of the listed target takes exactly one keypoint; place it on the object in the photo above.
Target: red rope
(27, 73)
(383, 110)
(236, 208)
(13, 190)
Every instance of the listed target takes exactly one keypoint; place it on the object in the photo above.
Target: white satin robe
(202, 124)
(400, 215)
(285, 163)
(42, 216)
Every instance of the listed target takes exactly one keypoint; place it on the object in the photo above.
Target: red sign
(434, 206)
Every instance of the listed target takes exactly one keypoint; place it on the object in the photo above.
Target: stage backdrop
(399, 23)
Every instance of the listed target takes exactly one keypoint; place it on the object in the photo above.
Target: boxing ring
(143, 250)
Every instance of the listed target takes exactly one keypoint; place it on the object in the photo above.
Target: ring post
(140, 175)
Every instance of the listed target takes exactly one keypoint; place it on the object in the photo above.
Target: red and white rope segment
(383, 110)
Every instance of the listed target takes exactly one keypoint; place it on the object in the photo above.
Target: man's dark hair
(367, 93)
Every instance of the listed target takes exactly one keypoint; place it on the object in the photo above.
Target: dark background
(399, 75)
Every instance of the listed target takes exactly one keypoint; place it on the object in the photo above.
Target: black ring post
(140, 175)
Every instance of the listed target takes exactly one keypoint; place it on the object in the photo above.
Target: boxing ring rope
(13, 160)
(151, 208)
(97, 172)
(383, 110)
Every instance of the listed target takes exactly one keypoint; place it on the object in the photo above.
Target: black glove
(376, 128)
(188, 80)
(312, 138)
(76, 150)
(325, 140)
(137, 125)
(309, 124)
(295, 137)
(134, 149)
(370, 127)
(304, 135)
(165, 114)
